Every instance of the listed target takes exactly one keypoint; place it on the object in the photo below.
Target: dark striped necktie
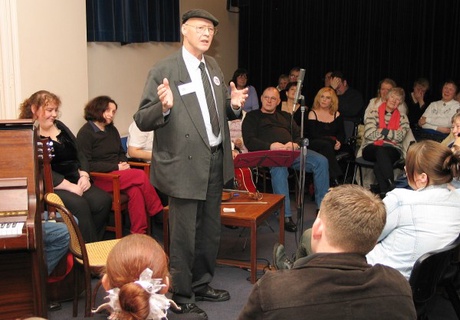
(210, 100)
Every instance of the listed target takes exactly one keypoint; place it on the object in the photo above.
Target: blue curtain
(132, 21)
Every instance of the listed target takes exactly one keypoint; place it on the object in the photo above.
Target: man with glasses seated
(270, 129)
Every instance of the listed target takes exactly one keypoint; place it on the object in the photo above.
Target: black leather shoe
(189, 308)
(210, 294)
(289, 225)
(280, 260)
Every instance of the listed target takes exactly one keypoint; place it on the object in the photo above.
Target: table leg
(253, 252)
(281, 240)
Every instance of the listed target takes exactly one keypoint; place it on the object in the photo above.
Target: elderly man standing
(185, 100)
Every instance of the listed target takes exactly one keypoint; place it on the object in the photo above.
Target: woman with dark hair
(100, 142)
(240, 79)
(423, 219)
(70, 168)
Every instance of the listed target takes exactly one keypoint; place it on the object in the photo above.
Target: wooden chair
(120, 199)
(91, 257)
(435, 270)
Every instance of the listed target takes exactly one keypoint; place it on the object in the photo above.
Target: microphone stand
(303, 153)
(300, 200)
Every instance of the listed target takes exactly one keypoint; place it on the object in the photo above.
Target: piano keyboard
(11, 229)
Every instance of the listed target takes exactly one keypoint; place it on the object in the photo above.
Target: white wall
(54, 55)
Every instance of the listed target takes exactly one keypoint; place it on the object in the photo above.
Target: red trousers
(143, 199)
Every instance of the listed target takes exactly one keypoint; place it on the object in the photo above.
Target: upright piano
(22, 266)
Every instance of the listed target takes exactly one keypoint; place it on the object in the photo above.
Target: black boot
(280, 260)
(289, 225)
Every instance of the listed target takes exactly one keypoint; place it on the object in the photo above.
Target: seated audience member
(139, 143)
(56, 243)
(70, 168)
(335, 279)
(269, 129)
(100, 142)
(384, 131)
(385, 86)
(425, 218)
(136, 279)
(417, 101)
(240, 79)
(435, 121)
(327, 79)
(351, 102)
(283, 80)
(454, 131)
(455, 184)
(290, 106)
(293, 75)
(236, 134)
(325, 130)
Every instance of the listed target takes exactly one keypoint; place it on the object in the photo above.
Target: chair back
(77, 244)
(432, 268)
(351, 128)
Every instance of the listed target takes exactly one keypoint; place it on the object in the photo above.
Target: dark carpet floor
(235, 245)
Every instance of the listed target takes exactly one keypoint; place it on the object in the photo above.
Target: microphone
(299, 88)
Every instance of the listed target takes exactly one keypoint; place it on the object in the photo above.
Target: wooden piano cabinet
(22, 265)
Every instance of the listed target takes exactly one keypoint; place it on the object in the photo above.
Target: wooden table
(250, 214)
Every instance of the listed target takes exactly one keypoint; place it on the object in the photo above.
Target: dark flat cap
(200, 13)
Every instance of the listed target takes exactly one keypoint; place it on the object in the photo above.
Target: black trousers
(195, 236)
(383, 157)
(92, 210)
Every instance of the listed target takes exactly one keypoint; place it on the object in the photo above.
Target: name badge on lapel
(186, 88)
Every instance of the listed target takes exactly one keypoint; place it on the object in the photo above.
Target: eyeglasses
(272, 99)
(201, 29)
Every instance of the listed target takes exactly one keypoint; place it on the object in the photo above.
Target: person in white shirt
(436, 120)
(425, 218)
(139, 143)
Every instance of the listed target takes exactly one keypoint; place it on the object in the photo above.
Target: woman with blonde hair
(136, 279)
(70, 168)
(423, 219)
(325, 129)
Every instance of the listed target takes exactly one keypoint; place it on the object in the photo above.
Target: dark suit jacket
(181, 151)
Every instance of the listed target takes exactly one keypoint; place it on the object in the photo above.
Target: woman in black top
(70, 168)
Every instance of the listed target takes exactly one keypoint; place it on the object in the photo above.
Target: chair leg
(75, 294)
(346, 173)
(355, 171)
(94, 295)
(88, 293)
(118, 223)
